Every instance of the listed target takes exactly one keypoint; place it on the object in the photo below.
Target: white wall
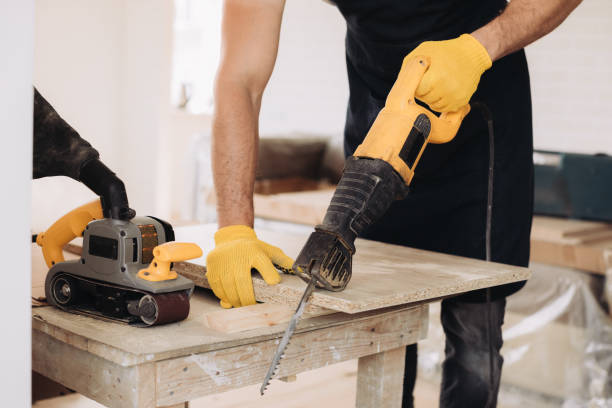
(16, 48)
(145, 162)
(78, 53)
(308, 90)
(105, 67)
(571, 82)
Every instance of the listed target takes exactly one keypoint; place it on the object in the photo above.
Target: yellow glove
(455, 67)
(228, 266)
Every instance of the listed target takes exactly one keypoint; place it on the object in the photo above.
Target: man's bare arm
(250, 34)
(521, 23)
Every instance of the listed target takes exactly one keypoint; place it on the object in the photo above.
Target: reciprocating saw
(378, 173)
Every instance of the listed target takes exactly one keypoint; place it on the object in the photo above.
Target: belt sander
(124, 272)
(378, 173)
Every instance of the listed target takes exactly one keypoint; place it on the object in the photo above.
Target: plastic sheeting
(557, 343)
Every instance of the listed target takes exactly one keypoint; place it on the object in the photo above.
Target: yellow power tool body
(378, 173)
(124, 272)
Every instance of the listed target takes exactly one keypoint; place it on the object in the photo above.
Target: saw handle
(401, 98)
(164, 255)
(65, 229)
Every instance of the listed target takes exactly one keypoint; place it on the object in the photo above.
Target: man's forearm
(234, 153)
(521, 23)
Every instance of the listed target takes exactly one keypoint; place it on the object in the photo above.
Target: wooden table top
(384, 275)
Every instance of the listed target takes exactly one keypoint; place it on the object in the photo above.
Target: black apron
(446, 209)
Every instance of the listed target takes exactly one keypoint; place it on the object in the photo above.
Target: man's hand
(229, 265)
(455, 67)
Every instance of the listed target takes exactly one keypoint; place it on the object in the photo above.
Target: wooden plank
(249, 317)
(187, 378)
(256, 316)
(383, 275)
(588, 257)
(571, 243)
(263, 293)
(380, 379)
(574, 231)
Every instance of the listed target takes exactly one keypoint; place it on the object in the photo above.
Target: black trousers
(471, 370)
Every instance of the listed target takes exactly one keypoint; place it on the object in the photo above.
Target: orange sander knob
(164, 255)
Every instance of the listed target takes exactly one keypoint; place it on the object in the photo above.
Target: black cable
(488, 117)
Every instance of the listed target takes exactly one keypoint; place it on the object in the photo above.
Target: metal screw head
(66, 290)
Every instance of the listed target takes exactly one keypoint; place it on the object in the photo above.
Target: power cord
(488, 117)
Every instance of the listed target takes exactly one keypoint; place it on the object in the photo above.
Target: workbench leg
(380, 379)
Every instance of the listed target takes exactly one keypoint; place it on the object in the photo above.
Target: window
(197, 40)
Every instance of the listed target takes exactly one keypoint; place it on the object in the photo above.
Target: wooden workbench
(166, 366)
(121, 366)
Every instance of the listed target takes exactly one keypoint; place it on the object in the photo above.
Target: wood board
(571, 243)
(249, 317)
(384, 275)
(569, 231)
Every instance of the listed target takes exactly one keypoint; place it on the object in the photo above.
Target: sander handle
(65, 229)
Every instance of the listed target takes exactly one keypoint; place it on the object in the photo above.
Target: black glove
(58, 150)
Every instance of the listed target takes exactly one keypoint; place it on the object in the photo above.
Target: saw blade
(282, 345)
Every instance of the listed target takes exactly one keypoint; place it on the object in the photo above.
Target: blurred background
(135, 78)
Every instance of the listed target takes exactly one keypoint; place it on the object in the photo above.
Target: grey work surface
(384, 275)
